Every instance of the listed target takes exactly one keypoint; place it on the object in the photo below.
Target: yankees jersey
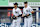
(16, 12)
(27, 10)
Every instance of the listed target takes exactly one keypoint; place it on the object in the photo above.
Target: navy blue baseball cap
(25, 2)
(15, 3)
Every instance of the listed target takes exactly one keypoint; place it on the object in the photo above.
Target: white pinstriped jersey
(16, 12)
(27, 10)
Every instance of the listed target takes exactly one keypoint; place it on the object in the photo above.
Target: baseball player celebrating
(27, 14)
(16, 16)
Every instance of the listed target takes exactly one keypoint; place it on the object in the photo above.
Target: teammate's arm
(20, 13)
(23, 13)
(31, 10)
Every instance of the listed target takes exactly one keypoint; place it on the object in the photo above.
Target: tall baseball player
(27, 14)
(16, 16)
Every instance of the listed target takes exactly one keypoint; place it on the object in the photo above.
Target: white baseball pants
(16, 23)
(28, 22)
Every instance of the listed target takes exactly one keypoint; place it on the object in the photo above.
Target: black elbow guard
(20, 15)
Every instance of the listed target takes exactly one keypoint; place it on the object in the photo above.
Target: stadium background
(6, 7)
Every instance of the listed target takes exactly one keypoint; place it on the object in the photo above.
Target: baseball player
(27, 12)
(16, 16)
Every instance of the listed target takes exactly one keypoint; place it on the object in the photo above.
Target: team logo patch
(26, 10)
(16, 12)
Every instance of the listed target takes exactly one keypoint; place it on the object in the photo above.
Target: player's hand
(15, 16)
(23, 15)
(27, 14)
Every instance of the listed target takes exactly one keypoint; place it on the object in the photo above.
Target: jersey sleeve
(31, 9)
(20, 12)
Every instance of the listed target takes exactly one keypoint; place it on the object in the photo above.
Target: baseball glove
(14, 17)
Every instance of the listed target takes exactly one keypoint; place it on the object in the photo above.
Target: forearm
(27, 15)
